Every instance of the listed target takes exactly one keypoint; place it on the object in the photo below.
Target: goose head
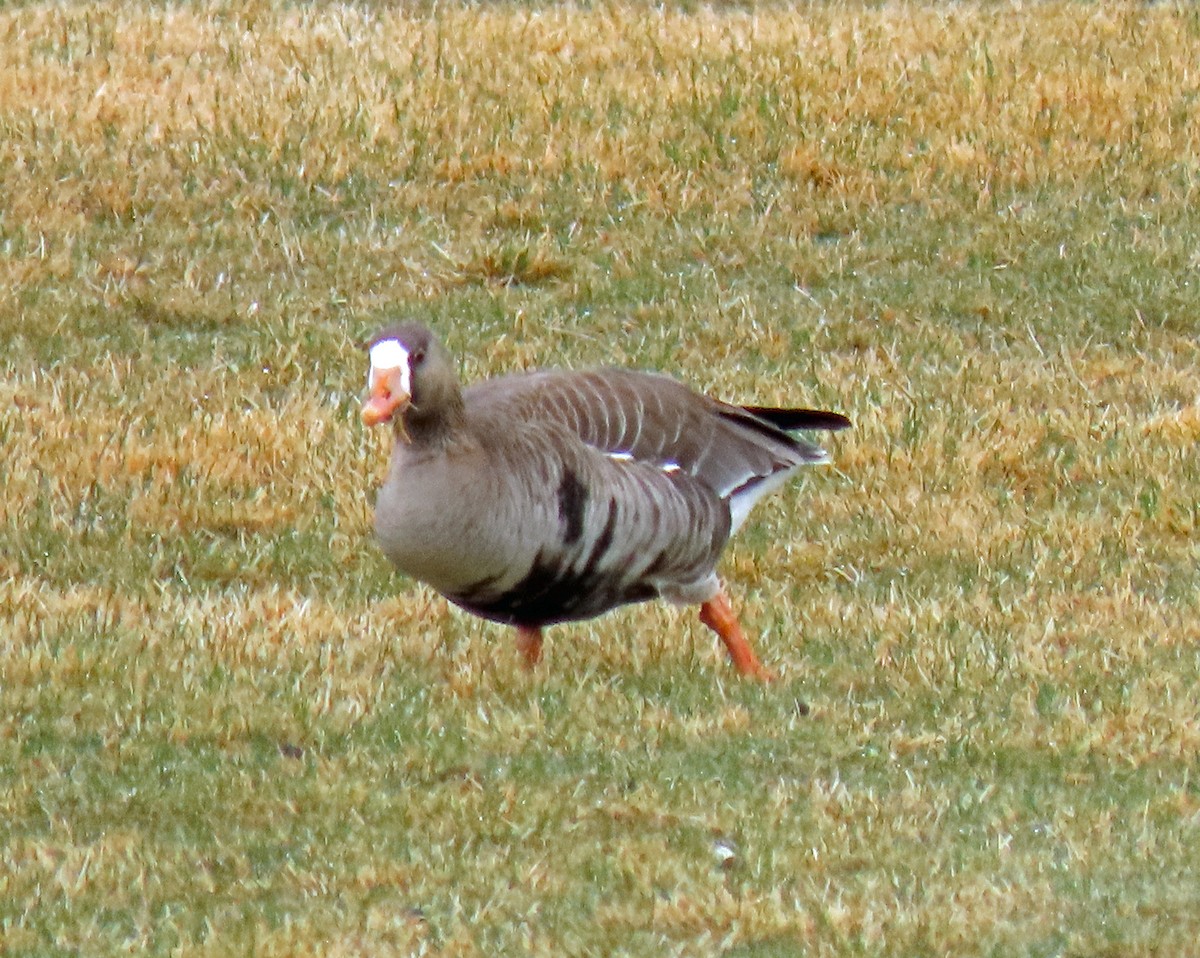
(411, 382)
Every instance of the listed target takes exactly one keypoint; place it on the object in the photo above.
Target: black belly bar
(549, 593)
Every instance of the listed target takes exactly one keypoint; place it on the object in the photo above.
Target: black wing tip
(794, 420)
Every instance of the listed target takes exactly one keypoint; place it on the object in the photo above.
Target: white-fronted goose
(554, 496)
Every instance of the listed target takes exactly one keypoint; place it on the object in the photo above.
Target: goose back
(738, 452)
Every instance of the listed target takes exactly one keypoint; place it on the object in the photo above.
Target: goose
(554, 495)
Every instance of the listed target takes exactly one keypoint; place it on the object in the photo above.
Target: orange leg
(529, 644)
(718, 615)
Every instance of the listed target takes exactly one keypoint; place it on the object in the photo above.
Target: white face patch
(388, 354)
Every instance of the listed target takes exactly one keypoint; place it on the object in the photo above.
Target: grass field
(226, 727)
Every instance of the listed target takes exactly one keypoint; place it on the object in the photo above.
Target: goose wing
(652, 419)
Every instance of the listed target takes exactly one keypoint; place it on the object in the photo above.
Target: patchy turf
(227, 727)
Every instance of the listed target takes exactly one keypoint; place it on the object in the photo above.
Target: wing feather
(658, 421)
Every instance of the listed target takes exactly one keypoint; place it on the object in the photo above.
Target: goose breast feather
(528, 525)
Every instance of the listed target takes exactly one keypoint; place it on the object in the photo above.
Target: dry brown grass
(229, 728)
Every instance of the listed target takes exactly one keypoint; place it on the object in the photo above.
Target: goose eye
(417, 356)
